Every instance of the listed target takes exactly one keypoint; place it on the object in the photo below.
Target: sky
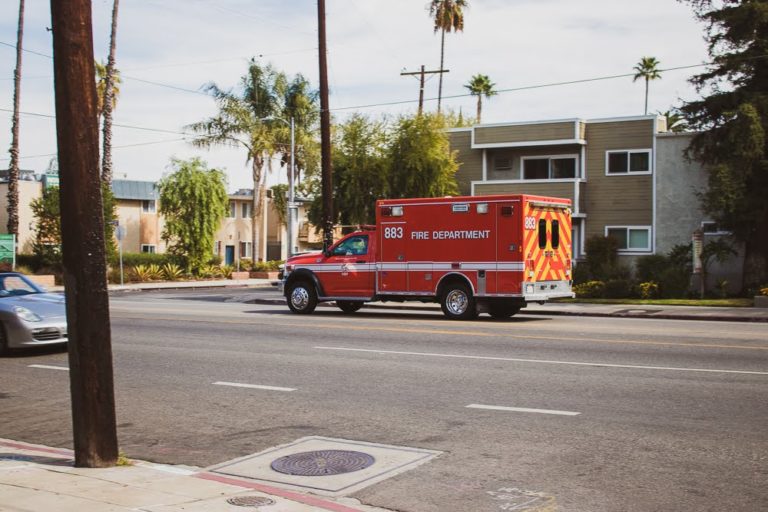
(168, 49)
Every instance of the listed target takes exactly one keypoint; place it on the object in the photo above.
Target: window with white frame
(630, 238)
(149, 206)
(550, 167)
(245, 249)
(148, 248)
(217, 248)
(710, 227)
(246, 210)
(232, 210)
(635, 161)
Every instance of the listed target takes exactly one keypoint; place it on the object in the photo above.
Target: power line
(148, 143)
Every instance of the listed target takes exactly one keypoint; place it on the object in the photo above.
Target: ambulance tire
(503, 310)
(302, 297)
(458, 303)
(349, 306)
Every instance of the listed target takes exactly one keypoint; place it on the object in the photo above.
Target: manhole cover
(250, 501)
(322, 463)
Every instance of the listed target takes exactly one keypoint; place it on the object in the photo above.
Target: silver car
(29, 317)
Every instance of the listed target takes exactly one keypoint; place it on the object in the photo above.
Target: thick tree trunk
(109, 95)
(82, 228)
(256, 207)
(479, 107)
(13, 167)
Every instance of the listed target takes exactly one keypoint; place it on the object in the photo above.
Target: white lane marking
(544, 361)
(521, 409)
(252, 386)
(49, 367)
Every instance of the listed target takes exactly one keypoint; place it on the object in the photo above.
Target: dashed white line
(543, 361)
(522, 409)
(49, 367)
(252, 386)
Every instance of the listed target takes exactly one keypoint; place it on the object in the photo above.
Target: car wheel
(458, 303)
(502, 309)
(349, 306)
(302, 298)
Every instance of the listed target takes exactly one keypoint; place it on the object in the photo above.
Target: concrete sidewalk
(39, 478)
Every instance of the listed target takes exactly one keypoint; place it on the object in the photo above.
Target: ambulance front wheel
(458, 303)
(349, 306)
(302, 298)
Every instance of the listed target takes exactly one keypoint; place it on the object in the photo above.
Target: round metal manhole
(250, 501)
(322, 463)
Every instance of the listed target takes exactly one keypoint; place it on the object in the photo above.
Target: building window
(217, 248)
(149, 206)
(148, 248)
(245, 249)
(232, 210)
(710, 227)
(549, 168)
(246, 210)
(628, 162)
(631, 238)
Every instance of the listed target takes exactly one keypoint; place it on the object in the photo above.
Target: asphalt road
(623, 414)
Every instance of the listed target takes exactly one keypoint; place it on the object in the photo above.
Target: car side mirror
(327, 253)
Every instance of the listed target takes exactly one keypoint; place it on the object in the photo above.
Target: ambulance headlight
(482, 208)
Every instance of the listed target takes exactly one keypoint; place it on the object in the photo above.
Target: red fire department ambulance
(471, 254)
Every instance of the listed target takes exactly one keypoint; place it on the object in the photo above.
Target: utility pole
(82, 236)
(422, 74)
(325, 132)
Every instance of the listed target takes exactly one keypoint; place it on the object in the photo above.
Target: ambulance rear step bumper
(545, 290)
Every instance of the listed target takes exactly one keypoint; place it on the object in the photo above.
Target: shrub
(764, 290)
(617, 289)
(172, 272)
(226, 271)
(650, 268)
(209, 271)
(131, 259)
(267, 266)
(155, 272)
(141, 272)
(589, 290)
(246, 263)
(648, 290)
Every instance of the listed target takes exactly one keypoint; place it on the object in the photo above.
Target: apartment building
(627, 177)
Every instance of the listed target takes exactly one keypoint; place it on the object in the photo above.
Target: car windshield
(13, 285)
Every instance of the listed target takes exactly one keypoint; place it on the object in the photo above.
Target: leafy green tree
(481, 85)
(647, 69)
(254, 118)
(448, 16)
(47, 212)
(280, 202)
(101, 86)
(360, 167)
(421, 163)
(193, 199)
(732, 123)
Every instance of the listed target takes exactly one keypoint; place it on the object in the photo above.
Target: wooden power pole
(325, 132)
(82, 236)
(422, 74)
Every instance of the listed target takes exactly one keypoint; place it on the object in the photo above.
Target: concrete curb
(660, 315)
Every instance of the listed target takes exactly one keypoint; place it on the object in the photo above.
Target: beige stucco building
(29, 190)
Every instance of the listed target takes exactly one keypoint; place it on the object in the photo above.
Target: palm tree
(675, 121)
(246, 119)
(647, 68)
(448, 16)
(101, 86)
(480, 85)
(13, 166)
(109, 101)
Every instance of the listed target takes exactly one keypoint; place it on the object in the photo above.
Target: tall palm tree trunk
(13, 167)
(109, 95)
(256, 208)
(646, 95)
(479, 107)
(440, 74)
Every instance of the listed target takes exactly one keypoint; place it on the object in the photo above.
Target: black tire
(302, 297)
(458, 303)
(502, 310)
(349, 306)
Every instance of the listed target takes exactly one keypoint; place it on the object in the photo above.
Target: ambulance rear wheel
(302, 298)
(502, 310)
(458, 303)
(349, 306)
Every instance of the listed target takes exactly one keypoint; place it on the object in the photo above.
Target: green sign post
(8, 250)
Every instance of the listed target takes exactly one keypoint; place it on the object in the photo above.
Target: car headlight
(26, 314)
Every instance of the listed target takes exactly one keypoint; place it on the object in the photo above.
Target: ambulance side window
(357, 245)
(555, 234)
(542, 234)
